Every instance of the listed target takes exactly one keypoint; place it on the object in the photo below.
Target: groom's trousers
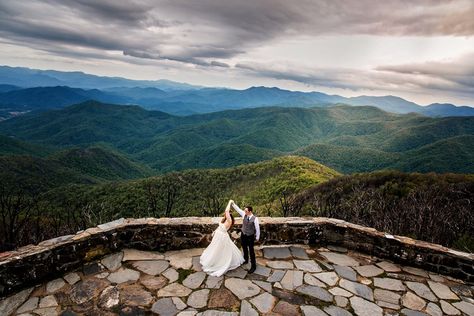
(248, 242)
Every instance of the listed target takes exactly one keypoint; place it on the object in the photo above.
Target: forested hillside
(432, 207)
(62, 209)
(348, 139)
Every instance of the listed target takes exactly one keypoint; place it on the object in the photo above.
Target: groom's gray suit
(250, 234)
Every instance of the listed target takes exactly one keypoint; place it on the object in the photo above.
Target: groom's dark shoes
(252, 270)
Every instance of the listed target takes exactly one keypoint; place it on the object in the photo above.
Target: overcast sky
(422, 50)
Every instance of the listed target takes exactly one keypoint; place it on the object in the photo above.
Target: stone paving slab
(387, 296)
(264, 302)
(237, 273)
(213, 282)
(151, 267)
(337, 291)
(138, 255)
(174, 290)
(29, 305)
(276, 276)
(72, 278)
(340, 259)
(442, 291)
(263, 271)
(198, 299)
(415, 271)
(369, 271)
(182, 259)
(280, 264)
(277, 253)
(311, 280)
(346, 272)
(298, 252)
(389, 284)
(113, 262)
(171, 274)
(412, 301)
(153, 283)
(123, 275)
(316, 292)
(336, 311)
(465, 307)
(388, 266)
(55, 285)
(247, 309)
(222, 298)
(288, 281)
(307, 265)
(358, 289)
(242, 288)
(330, 278)
(292, 279)
(193, 281)
(362, 307)
(267, 286)
(422, 290)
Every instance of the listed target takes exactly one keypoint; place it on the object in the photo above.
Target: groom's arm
(238, 209)
(257, 229)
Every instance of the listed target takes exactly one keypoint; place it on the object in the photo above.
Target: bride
(222, 254)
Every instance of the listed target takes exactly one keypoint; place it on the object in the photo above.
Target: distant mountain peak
(264, 88)
(27, 77)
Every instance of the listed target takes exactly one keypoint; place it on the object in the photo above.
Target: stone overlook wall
(33, 264)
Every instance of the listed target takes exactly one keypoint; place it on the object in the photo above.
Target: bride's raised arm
(227, 209)
(227, 215)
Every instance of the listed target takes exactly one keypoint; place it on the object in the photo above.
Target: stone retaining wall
(34, 264)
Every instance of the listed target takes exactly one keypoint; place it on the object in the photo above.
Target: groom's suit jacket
(250, 224)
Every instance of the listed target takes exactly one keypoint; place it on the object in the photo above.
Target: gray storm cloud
(217, 34)
(459, 72)
(223, 28)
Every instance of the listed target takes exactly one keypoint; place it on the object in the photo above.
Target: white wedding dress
(221, 255)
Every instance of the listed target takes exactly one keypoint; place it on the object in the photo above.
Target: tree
(16, 206)
(162, 193)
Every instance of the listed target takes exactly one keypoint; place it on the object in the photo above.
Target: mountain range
(23, 90)
(77, 150)
(28, 78)
(346, 138)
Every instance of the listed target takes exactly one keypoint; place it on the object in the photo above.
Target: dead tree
(16, 205)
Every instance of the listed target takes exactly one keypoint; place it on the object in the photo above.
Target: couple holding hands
(222, 254)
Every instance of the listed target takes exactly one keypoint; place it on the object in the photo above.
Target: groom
(250, 234)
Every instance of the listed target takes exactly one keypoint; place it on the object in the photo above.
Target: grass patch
(183, 274)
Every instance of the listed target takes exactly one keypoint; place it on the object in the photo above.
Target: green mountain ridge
(90, 165)
(349, 159)
(201, 192)
(13, 146)
(36, 175)
(458, 151)
(166, 143)
(102, 163)
(221, 156)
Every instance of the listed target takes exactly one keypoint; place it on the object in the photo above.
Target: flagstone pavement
(289, 280)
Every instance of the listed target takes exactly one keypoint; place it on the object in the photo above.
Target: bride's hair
(231, 217)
